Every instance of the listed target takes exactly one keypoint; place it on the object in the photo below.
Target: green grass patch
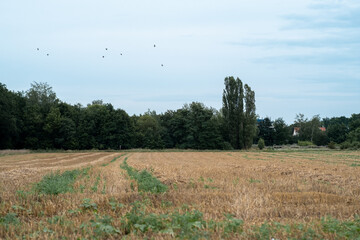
(9, 219)
(56, 183)
(146, 181)
(116, 158)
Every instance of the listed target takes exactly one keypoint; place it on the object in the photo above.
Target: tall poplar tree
(240, 125)
(233, 111)
(250, 117)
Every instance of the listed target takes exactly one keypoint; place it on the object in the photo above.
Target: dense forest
(37, 119)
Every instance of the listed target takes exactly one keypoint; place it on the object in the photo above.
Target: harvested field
(290, 189)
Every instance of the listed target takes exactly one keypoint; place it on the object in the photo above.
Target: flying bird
(154, 45)
(103, 56)
(47, 54)
(106, 49)
(38, 49)
(162, 65)
(121, 54)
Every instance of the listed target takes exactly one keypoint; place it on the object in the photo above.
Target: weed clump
(10, 218)
(145, 180)
(56, 183)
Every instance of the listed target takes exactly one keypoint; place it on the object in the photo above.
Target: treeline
(37, 119)
(341, 131)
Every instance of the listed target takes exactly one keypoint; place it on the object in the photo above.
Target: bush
(261, 143)
(355, 145)
(345, 145)
(331, 145)
(305, 143)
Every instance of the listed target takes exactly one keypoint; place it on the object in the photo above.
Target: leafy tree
(261, 143)
(250, 117)
(149, 131)
(354, 129)
(40, 99)
(266, 131)
(193, 126)
(337, 132)
(233, 111)
(282, 133)
(204, 133)
(41, 94)
(354, 122)
(240, 125)
(11, 108)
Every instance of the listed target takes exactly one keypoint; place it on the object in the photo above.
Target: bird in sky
(38, 49)
(162, 65)
(47, 54)
(106, 49)
(103, 56)
(154, 45)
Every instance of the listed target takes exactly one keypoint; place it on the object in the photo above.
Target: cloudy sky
(298, 56)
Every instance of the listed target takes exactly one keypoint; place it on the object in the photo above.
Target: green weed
(87, 204)
(146, 181)
(56, 183)
(94, 188)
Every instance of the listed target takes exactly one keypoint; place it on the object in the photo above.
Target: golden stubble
(254, 186)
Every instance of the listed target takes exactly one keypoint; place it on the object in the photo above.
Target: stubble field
(200, 195)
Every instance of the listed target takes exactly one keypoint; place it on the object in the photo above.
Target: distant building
(297, 130)
(323, 129)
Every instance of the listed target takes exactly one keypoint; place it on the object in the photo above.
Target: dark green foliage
(350, 145)
(305, 143)
(331, 145)
(266, 131)
(56, 183)
(261, 143)
(233, 111)
(148, 131)
(146, 181)
(239, 113)
(11, 118)
(37, 119)
(194, 126)
(281, 135)
(337, 132)
(249, 128)
(321, 139)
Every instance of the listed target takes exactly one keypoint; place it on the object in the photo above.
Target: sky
(298, 56)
